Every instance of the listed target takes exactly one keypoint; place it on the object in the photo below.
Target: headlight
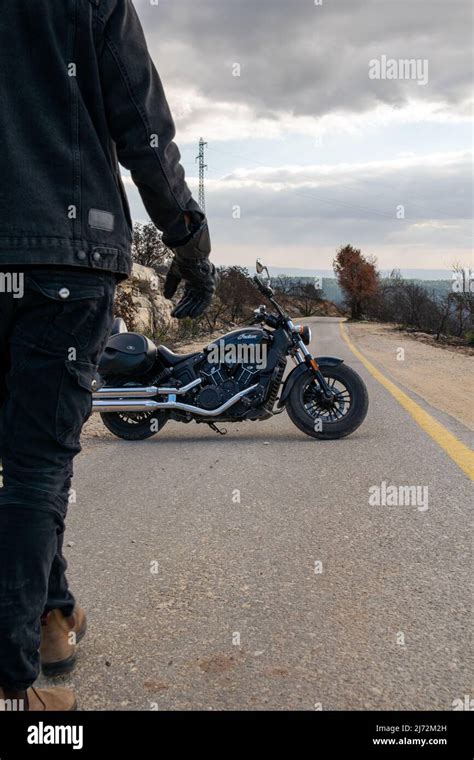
(304, 333)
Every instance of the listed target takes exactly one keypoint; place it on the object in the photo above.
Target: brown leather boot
(59, 636)
(37, 700)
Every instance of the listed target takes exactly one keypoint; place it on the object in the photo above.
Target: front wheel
(314, 415)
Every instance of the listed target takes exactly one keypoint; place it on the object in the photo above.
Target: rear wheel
(319, 418)
(133, 426)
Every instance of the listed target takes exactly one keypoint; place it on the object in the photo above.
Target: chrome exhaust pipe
(147, 405)
(132, 405)
(140, 392)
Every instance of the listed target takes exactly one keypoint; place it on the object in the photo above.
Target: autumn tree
(357, 278)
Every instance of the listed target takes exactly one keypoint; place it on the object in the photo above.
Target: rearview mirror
(261, 268)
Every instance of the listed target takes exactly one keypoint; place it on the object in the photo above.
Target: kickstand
(214, 427)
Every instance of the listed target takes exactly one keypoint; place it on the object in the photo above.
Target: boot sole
(81, 633)
(73, 708)
(63, 667)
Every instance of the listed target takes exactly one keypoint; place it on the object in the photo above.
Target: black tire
(134, 427)
(307, 411)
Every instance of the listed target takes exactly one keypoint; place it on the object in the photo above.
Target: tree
(444, 312)
(234, 298)
(284, 284)
(357, 278)
(308, 297)
(237, 291)
(148, 248)
(417, 301)
(463, 297)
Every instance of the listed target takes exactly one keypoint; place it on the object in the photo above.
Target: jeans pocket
(69, 306)
(74, 408)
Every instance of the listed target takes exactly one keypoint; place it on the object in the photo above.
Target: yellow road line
(455, 449)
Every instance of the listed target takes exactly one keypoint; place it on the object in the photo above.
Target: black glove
(191, 264)
(199, 276)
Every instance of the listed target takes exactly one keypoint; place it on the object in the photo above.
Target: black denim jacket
(78, 93)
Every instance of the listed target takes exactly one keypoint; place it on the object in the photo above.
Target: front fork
(303, 356)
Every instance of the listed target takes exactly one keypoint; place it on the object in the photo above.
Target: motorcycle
(237, 377)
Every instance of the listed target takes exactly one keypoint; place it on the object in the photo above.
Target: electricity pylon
(202, 168)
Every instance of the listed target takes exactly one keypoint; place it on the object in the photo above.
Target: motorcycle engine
(221, 382)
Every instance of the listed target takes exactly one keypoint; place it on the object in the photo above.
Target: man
(79, 94)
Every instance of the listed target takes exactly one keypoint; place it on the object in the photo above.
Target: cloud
(304, 72)
(305, 66)
(305, 212)
(432, 186)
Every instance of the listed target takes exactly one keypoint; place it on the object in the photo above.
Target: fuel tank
(246, 346)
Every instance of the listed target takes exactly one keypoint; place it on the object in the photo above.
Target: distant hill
(332, 291)
(409, 274)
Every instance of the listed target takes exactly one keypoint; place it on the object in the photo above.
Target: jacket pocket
(79, 381)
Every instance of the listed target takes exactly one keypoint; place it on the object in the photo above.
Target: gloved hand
(200, 279)
(191, 264)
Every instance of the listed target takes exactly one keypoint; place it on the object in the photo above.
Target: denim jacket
(78, 94)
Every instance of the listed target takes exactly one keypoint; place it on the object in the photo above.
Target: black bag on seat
(127, 354)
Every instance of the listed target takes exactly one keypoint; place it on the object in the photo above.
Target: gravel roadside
(442, 377)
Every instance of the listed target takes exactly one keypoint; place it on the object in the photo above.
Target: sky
(319, 133)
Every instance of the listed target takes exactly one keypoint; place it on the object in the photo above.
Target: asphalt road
(301, 596)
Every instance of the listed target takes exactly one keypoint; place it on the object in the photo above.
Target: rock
(141, 303)
(145, 274)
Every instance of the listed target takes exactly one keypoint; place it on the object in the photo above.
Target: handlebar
(265, 289)
(268, 292)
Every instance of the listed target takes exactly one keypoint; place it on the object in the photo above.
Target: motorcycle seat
(170, 359)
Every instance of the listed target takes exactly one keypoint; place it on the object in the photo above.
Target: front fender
(330, 361)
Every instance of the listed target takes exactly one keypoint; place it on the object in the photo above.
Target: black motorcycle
(237, 377)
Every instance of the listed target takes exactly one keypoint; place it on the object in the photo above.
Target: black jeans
(51, 337)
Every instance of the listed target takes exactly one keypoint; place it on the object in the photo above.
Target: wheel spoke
(331, 413)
